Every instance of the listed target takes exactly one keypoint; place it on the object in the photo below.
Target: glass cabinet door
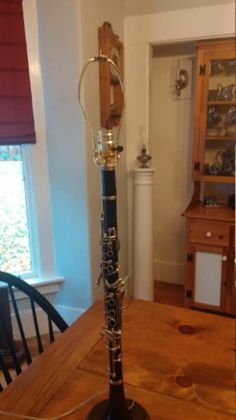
(220, 134)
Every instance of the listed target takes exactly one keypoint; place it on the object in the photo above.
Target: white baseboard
(169, 272)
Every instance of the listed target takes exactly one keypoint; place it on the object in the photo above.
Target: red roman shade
(16, 113)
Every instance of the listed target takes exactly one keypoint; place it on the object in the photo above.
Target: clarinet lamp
(107, 151)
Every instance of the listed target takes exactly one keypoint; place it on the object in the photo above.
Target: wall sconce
(182, 78)
(182, 81)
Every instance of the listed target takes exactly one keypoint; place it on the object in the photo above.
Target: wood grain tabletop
(178, 363)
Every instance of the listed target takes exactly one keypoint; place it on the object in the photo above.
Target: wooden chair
(13, 352)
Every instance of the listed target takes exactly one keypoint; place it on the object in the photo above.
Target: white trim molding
(48, 285)
(44, 286)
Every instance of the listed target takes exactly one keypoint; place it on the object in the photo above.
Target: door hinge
(189, 257)
(197, 166)
(202, 70)
(189, 294)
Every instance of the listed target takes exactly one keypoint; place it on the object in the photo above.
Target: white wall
(162, 28)
(171, 131)
(140, 7)
(59, 59)
(67, 38)
(60, 40)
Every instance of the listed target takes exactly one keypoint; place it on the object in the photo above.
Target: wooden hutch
(210, 216)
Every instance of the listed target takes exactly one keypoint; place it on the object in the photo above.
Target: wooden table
(175, 372)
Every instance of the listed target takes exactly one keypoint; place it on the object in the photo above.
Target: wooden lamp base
(135, 412)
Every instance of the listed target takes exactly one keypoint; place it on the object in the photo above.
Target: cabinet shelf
(218, 178)
(220, 214)
(221, 103)
(219, 138)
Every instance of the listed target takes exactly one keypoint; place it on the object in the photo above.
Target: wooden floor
(169, 293)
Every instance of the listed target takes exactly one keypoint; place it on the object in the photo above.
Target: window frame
(29, 211)
(38, 214)
(35, 164)
(27, 199)
(35, 171)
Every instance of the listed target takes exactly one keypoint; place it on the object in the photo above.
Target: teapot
(213, 117)
(231, 115)
(225, 159)
(225, 93)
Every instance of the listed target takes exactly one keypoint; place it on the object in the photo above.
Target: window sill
(46, 286)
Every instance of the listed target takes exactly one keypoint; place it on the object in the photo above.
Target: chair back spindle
(14, 342)
(20, 325)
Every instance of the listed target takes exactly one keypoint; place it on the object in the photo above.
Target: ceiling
(142, 7)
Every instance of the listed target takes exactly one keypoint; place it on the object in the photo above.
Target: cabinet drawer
(204, 232)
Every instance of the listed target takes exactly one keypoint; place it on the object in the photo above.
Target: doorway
(171, 138)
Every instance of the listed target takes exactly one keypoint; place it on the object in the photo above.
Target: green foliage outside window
(14, 235)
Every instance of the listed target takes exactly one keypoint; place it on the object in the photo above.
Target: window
(15, 241)
(26, 240)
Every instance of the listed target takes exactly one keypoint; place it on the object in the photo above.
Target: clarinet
(112, 283)
(107, 153)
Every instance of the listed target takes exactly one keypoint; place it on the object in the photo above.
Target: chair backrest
(13, 352)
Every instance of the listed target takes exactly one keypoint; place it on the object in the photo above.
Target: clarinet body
(107, 157)
(113, 296)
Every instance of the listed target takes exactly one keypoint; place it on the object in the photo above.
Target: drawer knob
(224, 258)
(208, 234)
